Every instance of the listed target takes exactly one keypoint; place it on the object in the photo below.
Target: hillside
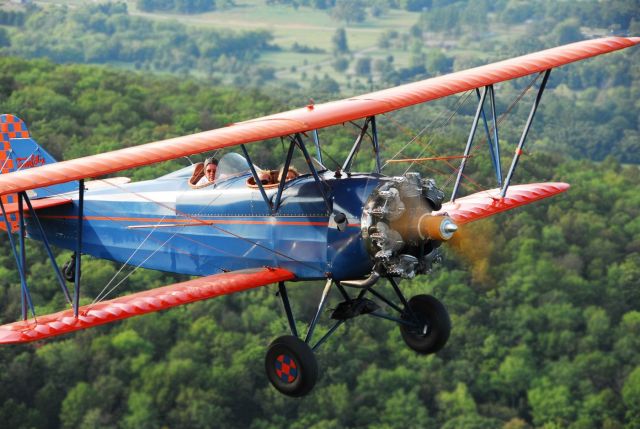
(546, 314)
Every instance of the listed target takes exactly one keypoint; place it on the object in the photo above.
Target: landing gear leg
(290, 362)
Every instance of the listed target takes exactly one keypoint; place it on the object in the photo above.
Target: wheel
(291, 366)
(69, 270)
(433, 324)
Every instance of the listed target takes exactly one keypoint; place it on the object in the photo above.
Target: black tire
(291, 366)
(431, 316)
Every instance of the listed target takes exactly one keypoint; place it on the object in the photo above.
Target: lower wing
(140, 303)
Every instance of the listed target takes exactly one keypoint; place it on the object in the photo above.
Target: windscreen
(232, 165)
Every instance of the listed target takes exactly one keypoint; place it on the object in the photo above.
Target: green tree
(4, 38)
(567, 32)
(339, 42)
(349, 11)
(79, 401)
(550, 403)
(631, 397)
(363, 66)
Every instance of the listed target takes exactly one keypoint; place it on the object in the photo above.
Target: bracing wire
(99, 296)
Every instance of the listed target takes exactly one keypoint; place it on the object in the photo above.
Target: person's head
(210, 167)
(264, 177)
(292, 173)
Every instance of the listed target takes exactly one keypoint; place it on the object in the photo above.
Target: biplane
(349, 229)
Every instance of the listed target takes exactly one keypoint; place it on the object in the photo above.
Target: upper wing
(309, 118)
(487, 203)
(139, 303)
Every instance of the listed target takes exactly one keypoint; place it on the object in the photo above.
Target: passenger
(265, 177)
(292, 173)
(210, 167)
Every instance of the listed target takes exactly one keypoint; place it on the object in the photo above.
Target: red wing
(140, 303)
(310, 118)
(487, 203)
(42, 203)
(12, 209)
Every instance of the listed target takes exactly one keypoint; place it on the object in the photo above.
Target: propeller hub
(439, 228)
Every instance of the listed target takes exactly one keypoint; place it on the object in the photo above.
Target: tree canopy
(544, 300)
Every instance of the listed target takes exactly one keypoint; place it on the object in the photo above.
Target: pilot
(292, 173)
(210, 167)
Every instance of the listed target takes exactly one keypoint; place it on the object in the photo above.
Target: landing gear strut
(290, 362)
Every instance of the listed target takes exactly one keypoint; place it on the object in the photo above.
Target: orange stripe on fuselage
(204, 222)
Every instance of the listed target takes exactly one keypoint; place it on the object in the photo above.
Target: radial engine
(401, 233)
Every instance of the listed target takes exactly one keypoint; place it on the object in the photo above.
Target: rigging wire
(158, 248)
(95, 301)
(500, 120)
(416, 136)
(98, 297)
(457, 106)
(146, 238)
(205, 223)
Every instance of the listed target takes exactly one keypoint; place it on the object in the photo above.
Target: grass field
(305, 26)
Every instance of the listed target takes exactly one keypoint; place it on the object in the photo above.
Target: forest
(546, 314)
(106, 33)
(544, 300)
(594, 106)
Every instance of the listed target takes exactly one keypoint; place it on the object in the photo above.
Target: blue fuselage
(164, 224)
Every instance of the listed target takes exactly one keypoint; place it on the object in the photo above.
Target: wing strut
(47, 247)
(256, 178)
(316, 141)
(493, 141)
(78, 255)
(285, 169)
(525, 131)
(26, 296)
(376, 146)
(494, 144)
(467, 149)
(316, 177)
